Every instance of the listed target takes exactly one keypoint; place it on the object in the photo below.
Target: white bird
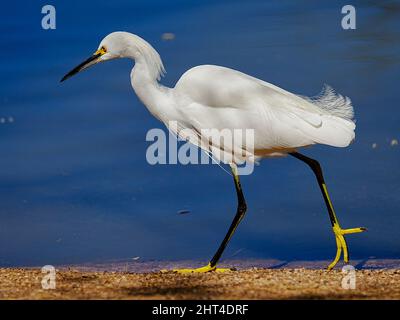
(214, 97)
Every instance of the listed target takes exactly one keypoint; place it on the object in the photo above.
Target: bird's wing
(218, 97)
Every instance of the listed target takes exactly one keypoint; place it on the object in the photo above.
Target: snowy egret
(211, 96)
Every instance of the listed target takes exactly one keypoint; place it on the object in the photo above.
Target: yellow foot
(207, 268)
(341, 243)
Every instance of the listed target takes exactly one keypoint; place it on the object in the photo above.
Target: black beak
(85, 64)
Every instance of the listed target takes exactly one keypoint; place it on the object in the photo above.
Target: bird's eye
(103, 48)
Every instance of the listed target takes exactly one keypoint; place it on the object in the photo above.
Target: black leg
(240, 212)
(339, 232)
(316, 168)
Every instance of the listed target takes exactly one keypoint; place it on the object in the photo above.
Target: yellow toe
(338, 253)
(341, 244)
(353, 230)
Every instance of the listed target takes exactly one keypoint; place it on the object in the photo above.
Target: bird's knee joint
(242, 207)
(314, 164)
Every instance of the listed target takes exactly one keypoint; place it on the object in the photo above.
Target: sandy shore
(248, 283)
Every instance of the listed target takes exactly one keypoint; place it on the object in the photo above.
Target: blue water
(74, 182)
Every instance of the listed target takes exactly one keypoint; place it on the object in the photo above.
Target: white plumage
(217, 97)
(214, 97)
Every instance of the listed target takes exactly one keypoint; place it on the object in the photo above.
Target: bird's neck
(156, 97)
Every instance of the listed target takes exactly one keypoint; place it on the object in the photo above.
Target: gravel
(253, 283)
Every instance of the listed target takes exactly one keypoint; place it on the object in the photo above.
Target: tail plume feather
(333, 103)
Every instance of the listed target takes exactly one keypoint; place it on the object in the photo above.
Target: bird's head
(115, 45)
